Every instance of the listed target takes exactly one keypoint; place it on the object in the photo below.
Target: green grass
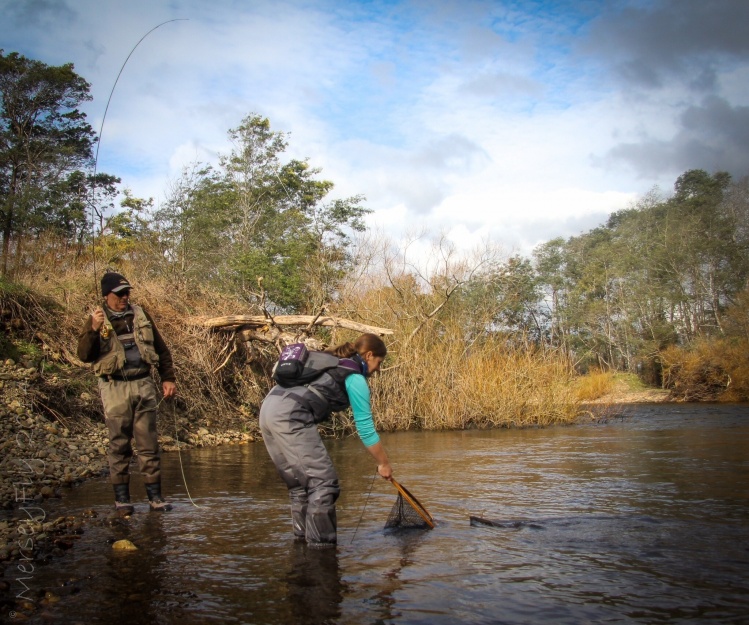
(30, 350)
(12, 289)
(631, 381)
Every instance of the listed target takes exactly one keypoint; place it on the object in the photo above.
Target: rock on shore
(38, 458)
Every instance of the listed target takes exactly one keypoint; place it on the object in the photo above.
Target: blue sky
(511, 122)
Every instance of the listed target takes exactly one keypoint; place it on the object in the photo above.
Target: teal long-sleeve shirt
(357, 390)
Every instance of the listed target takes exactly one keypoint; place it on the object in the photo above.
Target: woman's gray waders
(295, 446)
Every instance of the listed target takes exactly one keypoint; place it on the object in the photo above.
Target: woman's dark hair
(365, 343)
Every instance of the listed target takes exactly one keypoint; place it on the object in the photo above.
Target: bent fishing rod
(98, 142)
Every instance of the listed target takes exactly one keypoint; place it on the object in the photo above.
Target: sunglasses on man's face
(122, 294)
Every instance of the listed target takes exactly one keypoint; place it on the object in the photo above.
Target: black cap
(113, 282)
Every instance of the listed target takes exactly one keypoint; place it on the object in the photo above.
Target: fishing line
(179, 452)
(179, 455)
(356, 529)
(98, 143)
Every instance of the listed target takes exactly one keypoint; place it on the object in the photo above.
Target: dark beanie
(113, 282)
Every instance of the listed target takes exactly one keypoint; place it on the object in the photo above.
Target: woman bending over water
(289, 418)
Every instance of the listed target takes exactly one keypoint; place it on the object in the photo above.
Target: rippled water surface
(643, 519)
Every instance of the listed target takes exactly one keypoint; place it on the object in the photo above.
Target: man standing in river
(123, 343)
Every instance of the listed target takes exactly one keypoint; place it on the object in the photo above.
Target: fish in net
(407, 512)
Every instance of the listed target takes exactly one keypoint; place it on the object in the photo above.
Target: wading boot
(155, 500)
(122, 504)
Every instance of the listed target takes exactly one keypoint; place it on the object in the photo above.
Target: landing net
(407, 512)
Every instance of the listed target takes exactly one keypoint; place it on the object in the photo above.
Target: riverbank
(629, 390)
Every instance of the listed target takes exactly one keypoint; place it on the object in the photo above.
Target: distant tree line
(666, 272)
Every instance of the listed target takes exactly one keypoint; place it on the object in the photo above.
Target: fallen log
(232, 322)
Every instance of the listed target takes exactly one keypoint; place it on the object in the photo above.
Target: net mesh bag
(407, 512)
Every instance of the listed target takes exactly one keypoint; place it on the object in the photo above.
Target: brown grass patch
(594, 385)
(708, 371)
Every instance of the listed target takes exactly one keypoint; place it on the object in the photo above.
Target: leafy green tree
(43, 138)
(688, 258)
(126, 235)
(709, 264)
(592, 305)
(194, 228)
(67, 213)
(255, 216)
(520, 297)
(641, 279)
(549, 260)
(511, 290)
(283, 230)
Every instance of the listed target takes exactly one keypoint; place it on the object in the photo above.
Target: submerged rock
(124, 545)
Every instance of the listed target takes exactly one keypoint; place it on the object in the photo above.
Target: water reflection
(405, 544)
(315, 589)
(134, 581)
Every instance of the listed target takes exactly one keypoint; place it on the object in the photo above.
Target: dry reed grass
(708, 371)
(594, 385)
(493, 385)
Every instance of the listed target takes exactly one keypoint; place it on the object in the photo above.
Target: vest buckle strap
(124, 378)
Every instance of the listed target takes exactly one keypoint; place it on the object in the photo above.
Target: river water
(641, 519)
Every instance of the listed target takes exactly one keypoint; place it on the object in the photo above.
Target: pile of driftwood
(283, 329)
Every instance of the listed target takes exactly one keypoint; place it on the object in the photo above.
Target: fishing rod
(98, 143)
(361, 516)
